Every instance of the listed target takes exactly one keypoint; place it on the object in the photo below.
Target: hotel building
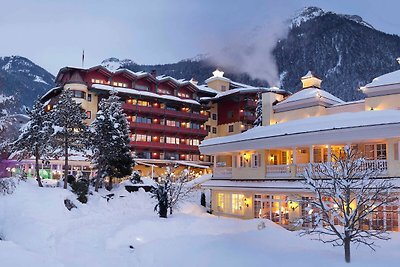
(168, 117)
(258, 173)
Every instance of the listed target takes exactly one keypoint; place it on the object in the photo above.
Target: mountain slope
(24, 80)
(345, 51)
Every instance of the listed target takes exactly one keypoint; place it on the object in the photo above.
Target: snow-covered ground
(37, 230)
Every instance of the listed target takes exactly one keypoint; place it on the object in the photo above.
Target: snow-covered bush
(81, 188)
(135, 178)
(8, 185)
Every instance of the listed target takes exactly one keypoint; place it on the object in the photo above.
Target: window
(89, 97)
(223, 88)
(171, 123)
(255, 160)
(214, 116)
(195, 126)
(183, 95)
(369, 152)
(163, 91)
(230, 128)
(142, 87)
(375, 151)
(237, 203)
(230, 114)
(143, 103)
(78, 94)
(99, 81)
(214, 130)
(172, 140)
(208, 128)
(194, 142)
(220, 201)
(284, 158)
(89, 114)
(381, 151)
(119, 84)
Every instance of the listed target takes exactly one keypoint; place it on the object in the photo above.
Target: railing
(278, 171)
(222, 172)
(165, 112)
(297, 170)
(380, 166)
(165, 128)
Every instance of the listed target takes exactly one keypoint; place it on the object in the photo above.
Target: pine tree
(258, 120)
(5, 120)
(70, 129)
(111, 152)
(35, 136)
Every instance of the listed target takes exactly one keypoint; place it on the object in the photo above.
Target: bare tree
(348, 192)
(172, 190)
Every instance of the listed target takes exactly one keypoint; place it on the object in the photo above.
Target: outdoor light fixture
(293, 205)
(246, 202)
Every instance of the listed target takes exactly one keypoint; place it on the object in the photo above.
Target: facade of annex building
(258, 173)
(168, 117)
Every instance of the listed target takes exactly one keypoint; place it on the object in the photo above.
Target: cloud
(251, 51)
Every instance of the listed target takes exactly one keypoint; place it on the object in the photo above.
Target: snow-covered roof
(314, 130)
(248, 89)
(309, 96)
(143, 93)
(207, 89)
(311, 93)
(386, 79)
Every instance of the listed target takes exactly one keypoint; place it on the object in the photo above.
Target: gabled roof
(308, 97)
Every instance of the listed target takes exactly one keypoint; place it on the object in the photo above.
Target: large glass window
(237, 203)
(272, 207)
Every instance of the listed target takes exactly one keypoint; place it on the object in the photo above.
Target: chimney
(153, 73)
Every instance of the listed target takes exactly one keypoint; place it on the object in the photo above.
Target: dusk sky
(53, 33)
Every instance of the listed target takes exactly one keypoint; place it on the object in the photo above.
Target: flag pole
(83, 58)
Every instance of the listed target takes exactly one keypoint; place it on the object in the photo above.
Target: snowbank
(39, 231)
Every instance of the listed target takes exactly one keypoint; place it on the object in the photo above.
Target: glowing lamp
(293, 205)
(246, 202)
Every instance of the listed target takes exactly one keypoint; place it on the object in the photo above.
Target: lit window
(237, 202)
(220, 201)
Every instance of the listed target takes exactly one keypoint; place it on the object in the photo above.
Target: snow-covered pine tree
(5, 102)
(34, 139)
(70, 130)
(258, 120)
(110, 141)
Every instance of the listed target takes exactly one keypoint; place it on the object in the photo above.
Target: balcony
(165, 112)
(164, 146)
(278, 171)
(222, 172)
(153, 127)
(247, 118)
(297, 170)
(251, 103)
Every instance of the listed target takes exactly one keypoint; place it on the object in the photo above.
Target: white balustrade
(222, 172)
(278, 171)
